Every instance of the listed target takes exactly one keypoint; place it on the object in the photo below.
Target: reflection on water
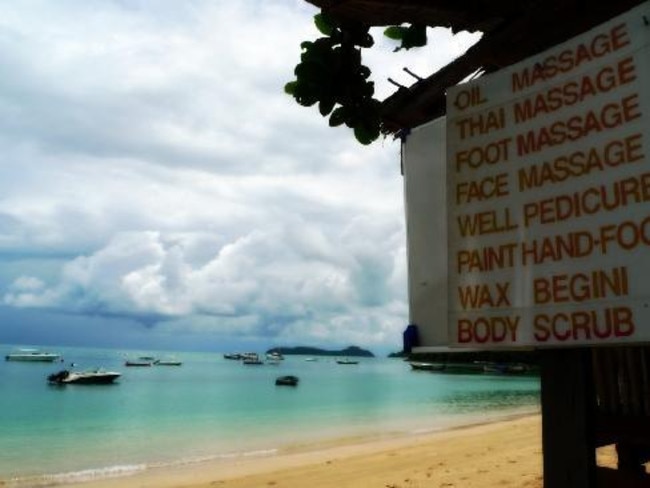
(471, 401)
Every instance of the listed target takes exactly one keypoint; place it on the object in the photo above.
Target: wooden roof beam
(521, 38)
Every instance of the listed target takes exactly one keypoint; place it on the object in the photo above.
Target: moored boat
(289, 380)
(347, 361)
(34, 355)
(137, 362)
(251, 358)
(423, 366)
(463, 368)
(91, 377)
(498, 368)
(167, 362)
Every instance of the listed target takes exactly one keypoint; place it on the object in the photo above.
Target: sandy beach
(498, 454)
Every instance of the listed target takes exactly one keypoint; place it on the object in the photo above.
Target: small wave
(260, 453)
(217, 457)
(76, 476)
(427, 430)
(124, 470)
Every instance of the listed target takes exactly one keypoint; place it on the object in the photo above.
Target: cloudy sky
(159, 190)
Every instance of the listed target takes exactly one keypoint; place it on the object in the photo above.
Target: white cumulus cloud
(152, 169)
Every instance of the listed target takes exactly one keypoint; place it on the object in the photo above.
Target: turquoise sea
(211, 408)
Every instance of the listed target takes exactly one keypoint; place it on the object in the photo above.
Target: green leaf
(309, 71)
(326, 105)
(366, 135)
(359, 36)
(338, 117)
(306, 100)
(325, 24)
(394, 32)
(290, 88)
(415, 36)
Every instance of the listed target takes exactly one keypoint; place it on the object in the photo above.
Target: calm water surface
(211, 408)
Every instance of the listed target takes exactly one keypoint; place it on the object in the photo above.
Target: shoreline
(441, 456)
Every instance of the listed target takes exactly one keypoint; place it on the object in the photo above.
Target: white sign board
(548, 193)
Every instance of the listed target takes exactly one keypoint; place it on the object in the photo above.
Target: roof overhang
(512, 31)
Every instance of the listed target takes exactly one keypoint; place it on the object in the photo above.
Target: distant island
(399, 354)
(352, 351)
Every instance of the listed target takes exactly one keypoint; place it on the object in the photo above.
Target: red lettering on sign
(580, 163)
(483, 189)
(589, 201)
(488, 330)
(584, 325)
(571, 58)
(580, 287)
(610, 116)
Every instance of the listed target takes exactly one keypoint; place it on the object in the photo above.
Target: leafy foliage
(331, 74)
(414, 35)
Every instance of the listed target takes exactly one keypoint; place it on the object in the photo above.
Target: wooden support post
(568, 404)
(613, 478)
(631, 458)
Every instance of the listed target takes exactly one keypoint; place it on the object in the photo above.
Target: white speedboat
(32, 355)
(92, 377)
(423, 366)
